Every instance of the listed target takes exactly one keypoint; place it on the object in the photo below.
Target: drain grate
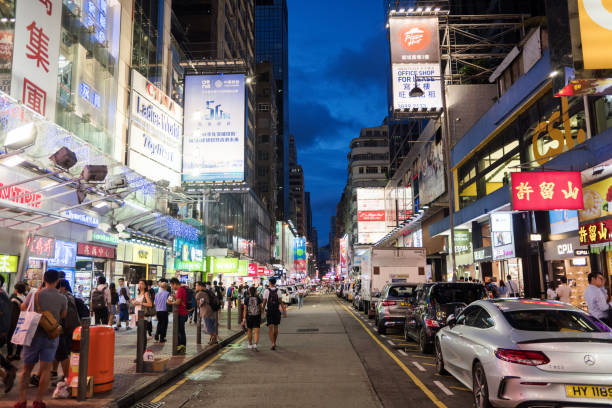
(309, 330)
(149, 405)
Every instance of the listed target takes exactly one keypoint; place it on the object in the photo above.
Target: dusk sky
(337, 85)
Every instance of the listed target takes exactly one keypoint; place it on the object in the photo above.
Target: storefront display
(562, 261)
(91, 264)
(140, 261)
(64, 260)
(34, 274)
(8, 269)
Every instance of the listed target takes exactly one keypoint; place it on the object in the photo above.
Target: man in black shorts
(251, 316)
(274, 307)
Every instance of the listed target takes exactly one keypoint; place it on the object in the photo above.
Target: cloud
(312, 123)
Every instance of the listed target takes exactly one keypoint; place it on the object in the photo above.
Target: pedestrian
(564, 291)
(274, 307)
(208, 305)
(301, 292)
(42, 349)
(252, 316)
(513, 287)
(491, 288)
(219, 292)
(17, 299)
(502, 289)
(142, 300)
(7, 370)
(596, 297)
(180, 302)
(191, 304)
(69, 324)
(551, 293)
(124, 306)
(114, 310)
(79, 294)
(161, 310)
(152, 297)
(101, 302)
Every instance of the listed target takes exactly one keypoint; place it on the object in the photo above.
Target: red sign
(252, 268)
(41, 247)
(261, 270)
(95, 251)
(21, 195)
(414, 37)
(555, 190)
(300, 265)
(267, 272)
(371, 215)
(595, 232)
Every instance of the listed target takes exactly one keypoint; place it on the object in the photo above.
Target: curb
(130, 398)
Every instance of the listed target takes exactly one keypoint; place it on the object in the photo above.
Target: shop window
(468, 195)
(500, 175)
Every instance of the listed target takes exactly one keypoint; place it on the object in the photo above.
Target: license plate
(588, 391)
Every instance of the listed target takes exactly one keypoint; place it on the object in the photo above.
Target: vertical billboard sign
(299, 255)
(415, 60)
(36, 55)
(156, 132)
(502, 235)
(371, 226)
(214, 128)
(343, 255)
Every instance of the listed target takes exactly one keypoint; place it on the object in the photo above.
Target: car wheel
(381, 327)
(424, 346)
(439, 359)
(480, 389)
(406, 335)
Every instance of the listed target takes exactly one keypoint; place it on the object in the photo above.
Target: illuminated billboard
(371, 225)
(214, 128)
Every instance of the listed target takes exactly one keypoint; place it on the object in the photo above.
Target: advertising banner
(343, 254)
(595, 233)
(431, 172)
(414, 39)
(502, 235)
(370, 214)
(562, 221)
(595, 33)
(65, 254)
(407, 76)
(463, 247)
(597, 200)
(299, 254)
(214, 128)
(8, 263)
(188, 255)
(557, 190)
(36, 55)
(252, 270)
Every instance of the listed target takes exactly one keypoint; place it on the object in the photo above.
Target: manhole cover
(307, 330)
(149, 405)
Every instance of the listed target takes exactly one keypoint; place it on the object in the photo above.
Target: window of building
(263, 155)
(361, 169)
(263, 107)
(264, 139)
(371, 170)
(262, 171)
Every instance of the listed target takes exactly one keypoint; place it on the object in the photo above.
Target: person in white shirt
(596, 298)
(551, 293)
(513, 287)
(564, 291)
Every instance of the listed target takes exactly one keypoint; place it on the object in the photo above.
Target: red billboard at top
(371, 215)
(555, 190)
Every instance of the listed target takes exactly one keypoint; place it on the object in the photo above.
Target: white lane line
(403, 353)
(443, 388)
(417, 365)
(391, 343)
(383, 336)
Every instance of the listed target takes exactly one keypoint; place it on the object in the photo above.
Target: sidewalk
(129, 386)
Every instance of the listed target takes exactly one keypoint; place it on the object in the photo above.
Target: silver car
(528, 353)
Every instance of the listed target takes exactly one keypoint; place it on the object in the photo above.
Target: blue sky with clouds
(337, 85)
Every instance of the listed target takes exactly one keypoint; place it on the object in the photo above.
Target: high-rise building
(369, 158)
(298, 197)
(272, 44)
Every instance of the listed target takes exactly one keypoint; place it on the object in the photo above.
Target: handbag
(27, 323)
(149, 311)
(47, 321)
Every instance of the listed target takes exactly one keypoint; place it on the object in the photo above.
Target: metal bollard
(199, 330)
(240, 312)
(83, 359)
(175, 323)
(229, 315)
(140, 341)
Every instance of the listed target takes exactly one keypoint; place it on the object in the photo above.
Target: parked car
(433, 303)
(392, 305)
(527, 353)
(357, 298)
(339, 291)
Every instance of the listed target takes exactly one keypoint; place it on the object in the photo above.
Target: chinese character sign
(95, 251)
(36, 55)
(299, 256)
(558, 190)
(41, 247)
(595, 233)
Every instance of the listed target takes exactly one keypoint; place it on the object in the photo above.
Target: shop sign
(252, 270)
(371, 215)
(261, 270)
(41, 247)
(65, 254)
(8, 263)
(557, 190)
(95, 251)
(225, 265)
(21, 195)
(561, 249)
(99, 236)
(243, 268)
(83, 218)
(142, 254)
(595, 233)
(483, 254)
(35, 55)
(581, 252)
(502, 235)
(597, 200)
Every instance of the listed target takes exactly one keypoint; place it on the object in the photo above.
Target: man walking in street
(42, 349)
(596, 297)
(180, 302)
(161, 308)
(274, 307)
(513, 288)
(8, 371)
(101, 301)
(208, 308)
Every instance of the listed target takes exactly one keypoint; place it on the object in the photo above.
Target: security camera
(118, 182)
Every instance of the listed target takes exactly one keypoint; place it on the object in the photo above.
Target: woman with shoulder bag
(143, 302)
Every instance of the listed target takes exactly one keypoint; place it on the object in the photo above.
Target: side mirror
(451, 320)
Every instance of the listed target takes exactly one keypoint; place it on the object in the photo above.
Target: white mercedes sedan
(528, 353)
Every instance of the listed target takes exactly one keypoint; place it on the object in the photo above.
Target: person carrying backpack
(274, 307)
(101, 301)
(69, 323)
(208, 305)
(251, 316)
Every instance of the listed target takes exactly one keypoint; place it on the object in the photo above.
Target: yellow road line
(458, 388)
(429, 364)
(410, 374)
(417, 356)
(200, 368)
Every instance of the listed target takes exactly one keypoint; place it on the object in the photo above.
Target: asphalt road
(329, 355)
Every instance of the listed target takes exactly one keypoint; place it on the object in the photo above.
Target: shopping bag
(27, 323)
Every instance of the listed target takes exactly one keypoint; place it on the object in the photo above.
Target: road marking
(443, 388)
(417, 365)
(403, 353)
(430, 364)
(403, 366)
(200, 368)
(417, 356)
(383, 336)
(459, 388)
(391, 343)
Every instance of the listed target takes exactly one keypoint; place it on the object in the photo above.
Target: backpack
(81, 307)
(6, 313)
(190, 296)
(213, 300)
(72, 319)
(97, 300)
(253, 306)
(234, 293)
(114, 298)
(273, 302)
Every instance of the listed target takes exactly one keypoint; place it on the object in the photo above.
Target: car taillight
(389, 302)
(431, 323)
(525, 357)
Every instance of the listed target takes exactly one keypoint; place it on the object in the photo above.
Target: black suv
(434, 302)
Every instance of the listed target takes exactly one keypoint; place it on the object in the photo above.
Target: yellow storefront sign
(142, 254)
(596, 33)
